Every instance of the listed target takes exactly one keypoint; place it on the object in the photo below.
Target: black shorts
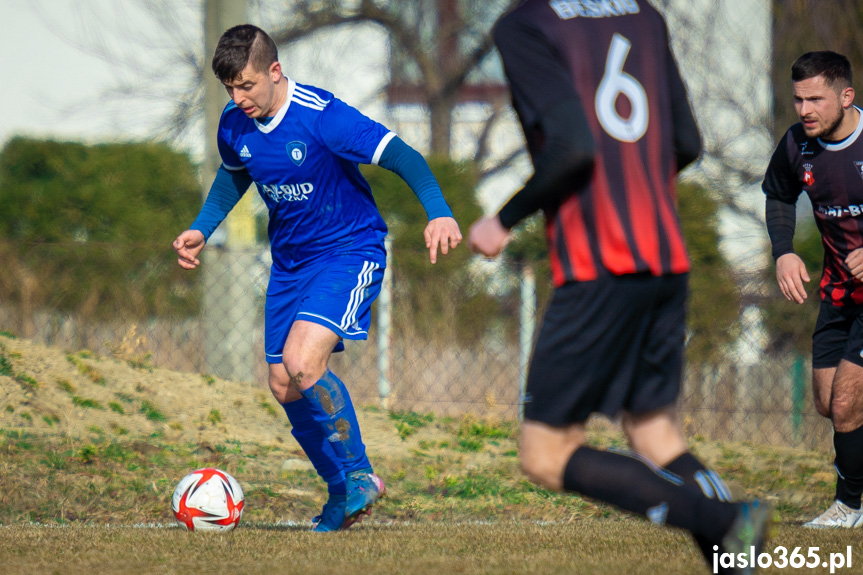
(838, 335)
(610, 345)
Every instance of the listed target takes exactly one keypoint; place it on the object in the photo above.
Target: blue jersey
(305, 164)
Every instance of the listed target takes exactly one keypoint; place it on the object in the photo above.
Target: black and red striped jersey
(620, 217)
(831, 174)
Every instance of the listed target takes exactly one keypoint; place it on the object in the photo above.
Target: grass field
(91, 449)
(589, 546)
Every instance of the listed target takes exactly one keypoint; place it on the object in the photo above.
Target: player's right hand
(854, 261)
(488, 237)
(791, 273)
(188, 245)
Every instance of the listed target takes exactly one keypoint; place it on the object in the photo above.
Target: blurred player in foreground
(301, 147)
(608, 126)
(822, 155)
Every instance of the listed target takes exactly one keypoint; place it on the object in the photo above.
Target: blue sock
(331, 406)
(312, 439)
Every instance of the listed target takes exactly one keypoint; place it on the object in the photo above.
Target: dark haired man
(608, 125)
(823, 156)
(301, 147)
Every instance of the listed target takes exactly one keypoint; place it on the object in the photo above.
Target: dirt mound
(45, 390)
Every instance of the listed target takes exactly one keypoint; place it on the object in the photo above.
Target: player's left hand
(488, 237)
(854, 261)
(443, 232)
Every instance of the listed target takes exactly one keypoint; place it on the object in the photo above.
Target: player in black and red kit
(608, 126)
(823, 156)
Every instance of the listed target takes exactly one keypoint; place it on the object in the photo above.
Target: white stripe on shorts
(364, 280)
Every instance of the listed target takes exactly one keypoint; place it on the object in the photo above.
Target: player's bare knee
(823, 409)
(629, 427)
(302, 373)
(280, 387)
(845, 414)
(546, 472)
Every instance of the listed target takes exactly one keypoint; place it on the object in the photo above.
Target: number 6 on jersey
(615, 82)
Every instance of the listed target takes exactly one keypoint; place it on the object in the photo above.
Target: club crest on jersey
(859, 168)
(297, 152)
(808, 178)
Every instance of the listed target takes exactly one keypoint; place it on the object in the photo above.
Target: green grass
(27, 382)
(151, 412)
(408, 422)
(66, 386)
(141, 362)
(51, 419)
(87, 370)
(215, 416)
(86, 403)
(504, 547)
(267, 406)
(442, 479)
(6, 366)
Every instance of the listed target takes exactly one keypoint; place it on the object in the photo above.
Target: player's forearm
(687, 138)
(409, 164)
(567, 153)
(781, 219)
(227, 189)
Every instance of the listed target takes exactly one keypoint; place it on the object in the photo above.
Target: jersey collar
(836, 146)
(274, 123)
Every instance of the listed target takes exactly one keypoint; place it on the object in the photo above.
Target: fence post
(229, 309)
(798, 396)
(526, 326)
(384, 325)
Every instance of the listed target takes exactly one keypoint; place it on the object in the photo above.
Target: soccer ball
(208, 500)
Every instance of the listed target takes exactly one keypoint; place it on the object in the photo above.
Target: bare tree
(441, 52)
(155, 51)
(441, 55)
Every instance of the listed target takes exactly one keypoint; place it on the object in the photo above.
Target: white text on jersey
(567, 9)
(841, 211)
(288, 192)
(244, 153)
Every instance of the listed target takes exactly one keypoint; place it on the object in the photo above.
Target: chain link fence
(450, 345)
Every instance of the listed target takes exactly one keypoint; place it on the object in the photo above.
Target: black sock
(696, 474)
(849, 466)
(632, 484)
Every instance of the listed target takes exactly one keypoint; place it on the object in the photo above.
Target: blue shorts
(336, 294)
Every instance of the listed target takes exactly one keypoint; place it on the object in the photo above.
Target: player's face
(821, 108)
(255, 93)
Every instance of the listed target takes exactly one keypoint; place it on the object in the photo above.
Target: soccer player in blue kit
(301, 147)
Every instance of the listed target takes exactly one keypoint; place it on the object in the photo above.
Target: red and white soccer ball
(208, 500)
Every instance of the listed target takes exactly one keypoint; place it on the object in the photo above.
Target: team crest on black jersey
(859, 168)
(808, 178)
(297, 152)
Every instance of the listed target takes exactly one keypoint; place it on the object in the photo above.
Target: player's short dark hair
(240, 46)
(835, 68)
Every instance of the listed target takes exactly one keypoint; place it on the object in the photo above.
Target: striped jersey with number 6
(614, 58)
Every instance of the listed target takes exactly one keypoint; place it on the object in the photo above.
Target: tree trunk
(440, 110)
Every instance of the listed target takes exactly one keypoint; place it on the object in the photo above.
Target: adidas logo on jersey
(244, 153)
